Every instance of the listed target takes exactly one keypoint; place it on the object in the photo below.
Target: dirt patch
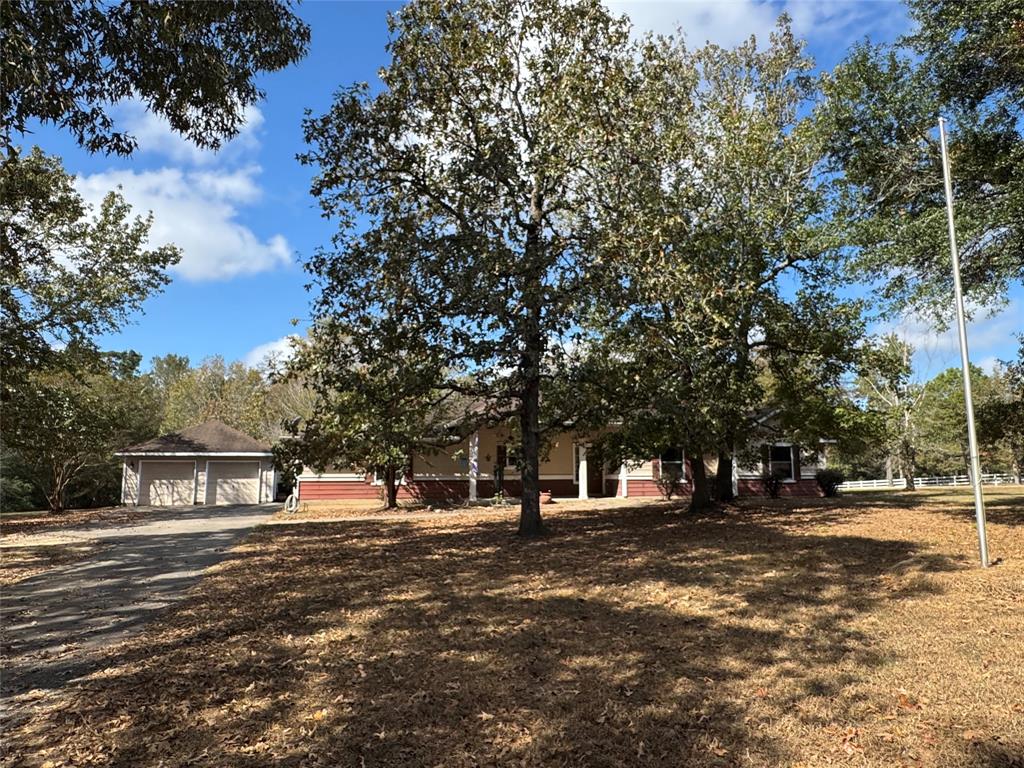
(796, 633)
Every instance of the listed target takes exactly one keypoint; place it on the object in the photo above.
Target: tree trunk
(391, 486)
(530, 523)
(888, 470)
(723, 479)
(908, 465)
(55, 494)
(701, 498)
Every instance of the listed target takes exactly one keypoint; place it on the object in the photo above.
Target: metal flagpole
(972, 436)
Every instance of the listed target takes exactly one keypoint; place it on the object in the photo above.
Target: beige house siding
(452, 462)
(130, 483)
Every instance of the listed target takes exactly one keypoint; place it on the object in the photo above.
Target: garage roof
(210, 437)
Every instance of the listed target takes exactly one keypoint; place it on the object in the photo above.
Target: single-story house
(208, 464)
(473, 468)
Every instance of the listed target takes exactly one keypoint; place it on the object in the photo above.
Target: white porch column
(583, 471)
(474, 463)
(624, 479)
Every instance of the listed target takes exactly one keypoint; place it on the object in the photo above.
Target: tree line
(75, 414)
(921, 426)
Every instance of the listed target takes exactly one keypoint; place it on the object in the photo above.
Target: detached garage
(208, 464)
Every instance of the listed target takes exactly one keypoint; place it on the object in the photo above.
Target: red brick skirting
(639, 488)
(458, 490)
(318, 490)
(755, 487)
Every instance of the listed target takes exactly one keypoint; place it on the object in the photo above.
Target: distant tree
(963, 61)
(73, 416)
(942, 421)
(194, 64)
(166, 371)
(232, 393)
(288, 398)
(17, 493)
(1001, 417)
(889, 390)
(473, 174)
(104, 273)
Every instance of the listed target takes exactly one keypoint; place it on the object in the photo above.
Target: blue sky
(245, 220)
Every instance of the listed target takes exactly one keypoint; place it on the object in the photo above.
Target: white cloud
(989, 336)
(197, 211)
(277, 350)
(730, 22)
(155, 136)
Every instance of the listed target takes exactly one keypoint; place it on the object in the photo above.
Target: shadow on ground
(632, 637)
(54, 623)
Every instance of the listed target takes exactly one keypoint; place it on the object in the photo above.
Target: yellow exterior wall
(453, 462)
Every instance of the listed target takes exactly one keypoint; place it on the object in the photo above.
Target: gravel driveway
(54, 625)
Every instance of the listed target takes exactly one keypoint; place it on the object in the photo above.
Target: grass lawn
(856, 632)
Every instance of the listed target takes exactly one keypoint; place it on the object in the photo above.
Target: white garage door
(167, 483)
(233, 482)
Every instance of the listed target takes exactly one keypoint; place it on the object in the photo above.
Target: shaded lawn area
(14, 524)
(18, 563)
(850, 632)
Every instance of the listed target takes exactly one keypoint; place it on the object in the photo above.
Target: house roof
(209, 437)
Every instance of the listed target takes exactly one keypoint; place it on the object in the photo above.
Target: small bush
(829, 481)
(670, 482)
(773, 483)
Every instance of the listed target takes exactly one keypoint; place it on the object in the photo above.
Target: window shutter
(796, 462)
(766, 459)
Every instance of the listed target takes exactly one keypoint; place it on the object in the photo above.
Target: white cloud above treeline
(990, 338)
(278, 350)
(198, 198)
(730, 22)
(199, 212)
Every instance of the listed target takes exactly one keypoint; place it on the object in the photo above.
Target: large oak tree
(464, 187)
(727, 250)
(964, 61)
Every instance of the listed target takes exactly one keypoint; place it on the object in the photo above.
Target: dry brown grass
(415, 509)
(802, 633)
(27, 523)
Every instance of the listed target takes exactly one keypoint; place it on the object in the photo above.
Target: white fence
(945, 480)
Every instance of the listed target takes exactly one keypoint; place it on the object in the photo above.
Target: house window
(511, 455)
(781, 461)
(673, 461)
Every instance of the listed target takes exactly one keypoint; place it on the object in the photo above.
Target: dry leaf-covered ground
(850, 632)
(14, 525)
(19, 563)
